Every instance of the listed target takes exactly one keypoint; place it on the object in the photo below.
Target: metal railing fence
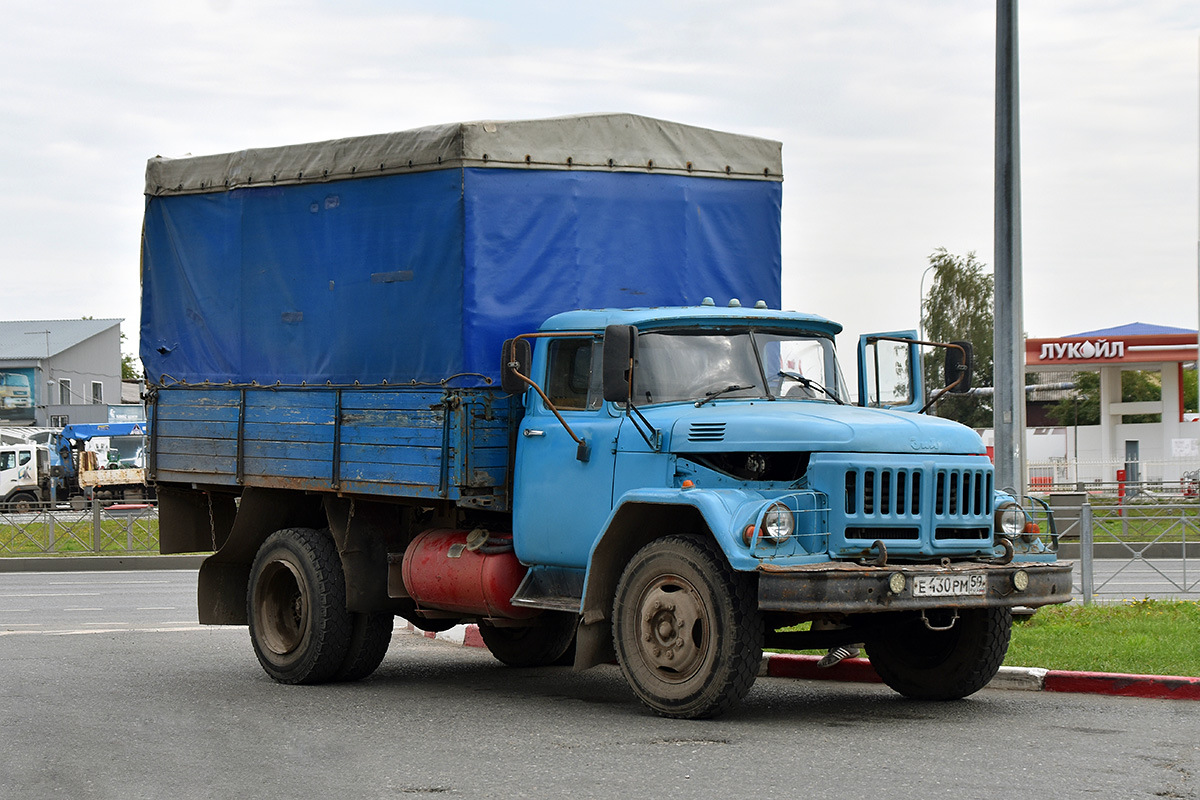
(1133, 549)
(87, 527)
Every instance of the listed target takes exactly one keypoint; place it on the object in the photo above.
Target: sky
(885, 111)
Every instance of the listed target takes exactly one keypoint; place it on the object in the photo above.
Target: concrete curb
(859, 670)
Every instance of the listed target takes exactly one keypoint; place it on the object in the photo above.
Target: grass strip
(1152, 637)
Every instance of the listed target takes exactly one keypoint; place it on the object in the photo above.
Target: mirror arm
(582, 452)
(941, 392)
(653, 439)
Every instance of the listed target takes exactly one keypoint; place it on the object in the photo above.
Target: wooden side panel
(401, 442)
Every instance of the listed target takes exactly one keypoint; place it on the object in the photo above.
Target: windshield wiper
(733, 387)
(809, 383)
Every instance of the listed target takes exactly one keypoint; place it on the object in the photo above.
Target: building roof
(29, 340)
(1131, 329)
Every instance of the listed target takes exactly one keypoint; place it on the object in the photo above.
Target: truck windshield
(675, 366)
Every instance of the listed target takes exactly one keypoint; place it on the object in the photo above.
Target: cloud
(885, 111)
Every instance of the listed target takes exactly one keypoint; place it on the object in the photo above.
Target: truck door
(559, 502)
(889, 371)
(8, 472)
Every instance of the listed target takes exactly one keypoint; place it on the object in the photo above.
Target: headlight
(1010, 519)
(777, 524)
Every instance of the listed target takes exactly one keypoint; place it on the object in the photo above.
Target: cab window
(573, 374)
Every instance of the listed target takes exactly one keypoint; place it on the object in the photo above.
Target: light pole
(1009, 346)
(921, 330)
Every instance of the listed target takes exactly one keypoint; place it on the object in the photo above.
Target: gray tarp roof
(610, 142)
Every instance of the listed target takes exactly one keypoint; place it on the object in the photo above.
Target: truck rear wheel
(949, 664)
(370, 637)
(296, 605)
(541, 645)
(686, 628)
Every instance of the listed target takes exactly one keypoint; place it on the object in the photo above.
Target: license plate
(949, 585)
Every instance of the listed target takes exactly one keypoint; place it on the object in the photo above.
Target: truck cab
(24, 477)
(733, 428)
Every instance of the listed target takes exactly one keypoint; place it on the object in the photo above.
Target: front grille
(916, 505)
(962, 492)
(962, 533)
(871, 534)
(884, 491)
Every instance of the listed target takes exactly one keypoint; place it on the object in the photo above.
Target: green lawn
(77, 536)
(1157, 637)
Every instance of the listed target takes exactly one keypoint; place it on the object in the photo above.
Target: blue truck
(497, 372)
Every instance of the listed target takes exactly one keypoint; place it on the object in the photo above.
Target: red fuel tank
(470, 572)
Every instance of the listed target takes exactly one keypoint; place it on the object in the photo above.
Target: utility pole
(1009, 352)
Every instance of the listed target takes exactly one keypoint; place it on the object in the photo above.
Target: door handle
(530, 432)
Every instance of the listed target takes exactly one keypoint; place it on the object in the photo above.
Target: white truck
(25, 477)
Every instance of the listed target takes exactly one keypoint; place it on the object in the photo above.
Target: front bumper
(849, 588)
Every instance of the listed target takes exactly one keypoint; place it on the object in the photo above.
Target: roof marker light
(708, 301)
(761, 304)
(735, 303)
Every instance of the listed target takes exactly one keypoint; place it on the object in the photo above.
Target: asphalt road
(1116, 579)
(111, 691)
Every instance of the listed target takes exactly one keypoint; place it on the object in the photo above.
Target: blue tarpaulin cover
(420, 276)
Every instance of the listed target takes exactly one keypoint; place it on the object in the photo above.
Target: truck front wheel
(927, 664)
(686, 628)
(296, 605)
(22, 503)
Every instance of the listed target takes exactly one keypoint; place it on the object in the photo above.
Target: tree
(959, 306)
(130, 371)
(1083, 406)
(130, 364)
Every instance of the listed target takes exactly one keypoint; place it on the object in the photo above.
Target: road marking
(185, 628)
(54, 594)
(156, 608)
(83, 609)
(106, 583)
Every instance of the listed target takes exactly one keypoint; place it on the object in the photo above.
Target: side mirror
(515, 357)
(958, 368)
(619, 351)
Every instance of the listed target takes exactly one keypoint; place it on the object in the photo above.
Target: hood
(783, 426)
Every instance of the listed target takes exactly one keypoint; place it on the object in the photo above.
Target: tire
(542, 645)
(943, 665)
(370, 637)
(296, 605)
(686, 628)
(22, 503)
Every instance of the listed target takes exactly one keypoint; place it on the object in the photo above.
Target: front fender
(724, 513)
(642, 516)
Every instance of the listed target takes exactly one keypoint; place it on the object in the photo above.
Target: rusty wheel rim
(673, 629)
(281, 609)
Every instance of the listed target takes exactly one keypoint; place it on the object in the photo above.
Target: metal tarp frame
(608, 142)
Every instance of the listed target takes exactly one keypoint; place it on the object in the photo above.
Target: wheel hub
(281, 609)
(674, 628)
